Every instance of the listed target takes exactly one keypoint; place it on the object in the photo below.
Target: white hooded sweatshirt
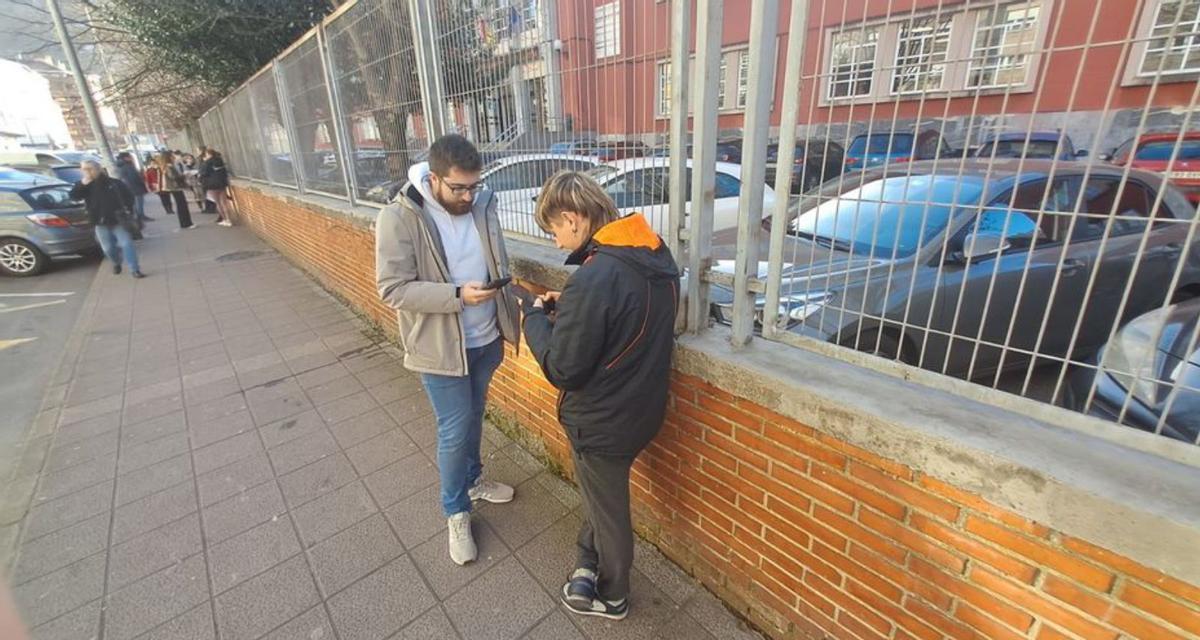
(464, 258)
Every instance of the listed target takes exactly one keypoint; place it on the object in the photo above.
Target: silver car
(39, 222)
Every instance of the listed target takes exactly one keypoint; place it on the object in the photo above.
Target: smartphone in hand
(497, 283)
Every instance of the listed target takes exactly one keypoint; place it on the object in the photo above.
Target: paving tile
(423, 431)
(501, 604)
(153, 511)
(266, 375)
(332, 513)
(550, 556)
(432, 625)
(154, 428)
(243, 511)
(139, 394)
(380, 451)
(154, 478)
(344, 558)
(368, 424)
(144, 605)
(249, 345)
(48, 517)
(215, 410)
(388, 372)
(60, 592)
(321, 376)
(402, 479)
(143, 454)
(196, 624)
(665, 575)
(205, 362)
(91, 409)
(348, 407)
(66, 546)
(208, 376)
(250, 553)
(418, 517)
(382, 603)
(87, 428)
(233, 479)
(75, 478)
(327, 392)
(266, 601)
(276, 402)
(80, 624)
(681, 627)
(410, 408)
(310, 361)
(226, 452)
(532, 511)
(559, 488)
(310, 625)
(652, 615)
(317, 479)
(445, 577)
(143, 374)
(212, 391)
(152, 408)
(555, 626)
(204, 434)
(288, 429)
(153, 551)
(712, 614)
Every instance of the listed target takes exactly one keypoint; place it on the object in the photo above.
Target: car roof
(648, 162)
(507, 160)
(1167, 136)
(1039, 136)
(1002, 169)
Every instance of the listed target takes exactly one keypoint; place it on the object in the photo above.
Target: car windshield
(49, 198)
(560, 147)
(1161, 150)
(599, 173)
(1012, 149)
(69, 174)
(888, 216)
(900, 143)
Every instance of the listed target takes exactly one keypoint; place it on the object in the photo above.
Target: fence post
(335, 113)
(289, 126)
(258, 134)
(709, 14)
(429, 68)
(796, 41)
(681, 31)
(759, 92)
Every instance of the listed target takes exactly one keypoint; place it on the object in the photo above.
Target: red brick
(746, 447)
(1183, 616)
(735, 482)
(985, 625)
(841, 482)
(775, 488)
(1188, 592)
(911, 540)
(1050, 633)
(974, 549)
(789, 441)
(703, 417)
(859, 533)
(896, 614)
(810, 561)
(773, 522)
(959, 587)
(902, 577)
(803, 521)
(731, 413)
(1083, 572)
(1024, 596)
(863, 623)
(938, 620)
(906, 493)
(866, 577)
(816, 491)
(862, 455)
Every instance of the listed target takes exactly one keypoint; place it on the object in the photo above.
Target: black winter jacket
(213, 174)
(132, 178)
(609, 349)
(108, 201)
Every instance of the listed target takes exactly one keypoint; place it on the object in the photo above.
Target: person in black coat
(605, 342)
(129, 174)
(110, 208)
(214, 178)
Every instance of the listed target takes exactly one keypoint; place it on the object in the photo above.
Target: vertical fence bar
(793, 75)
(289, 125)
(429, 71)
(760, 90)
(709, 14)
(681, 27)
(335, 113)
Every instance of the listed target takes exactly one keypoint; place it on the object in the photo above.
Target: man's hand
(474, 294)
(547, 299)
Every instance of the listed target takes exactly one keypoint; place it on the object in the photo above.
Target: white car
(516, 180)
(635, 184)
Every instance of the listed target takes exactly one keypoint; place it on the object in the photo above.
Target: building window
(608, 30)
(1174, 45)
(530, 14)
(743, 78)
(1005, 37)
(921, 54)
(664, 88)
(721, 83)
(852, 63)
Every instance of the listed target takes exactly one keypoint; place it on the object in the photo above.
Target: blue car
(881, 148)
(38, 223)
(1044, 145)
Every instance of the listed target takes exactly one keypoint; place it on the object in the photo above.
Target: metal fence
(994, 191)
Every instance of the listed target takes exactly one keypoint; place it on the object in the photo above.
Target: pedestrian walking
(128, 173)
(109, 206)
(165, 179)
(605, 342)
(436, 246)
(215, 179)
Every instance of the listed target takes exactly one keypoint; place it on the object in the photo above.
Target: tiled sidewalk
(226, 453)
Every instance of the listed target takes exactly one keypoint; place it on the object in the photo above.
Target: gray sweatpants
(606, 538)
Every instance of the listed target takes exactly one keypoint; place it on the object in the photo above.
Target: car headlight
(798, 308)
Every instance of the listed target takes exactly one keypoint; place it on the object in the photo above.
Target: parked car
(1037, 144)
(1144, 362)
(516, 180)
(38, 223)
(610, 151)
(69, 173)
(1153, 152)
(814, 162)
(574, 147)
(895, 264)
(45, 158)
(875, 149)
(727, 151)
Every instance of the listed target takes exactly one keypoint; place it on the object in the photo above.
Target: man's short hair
(453, 151)
(577, 192)
(124, 155)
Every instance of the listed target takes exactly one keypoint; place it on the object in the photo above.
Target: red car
(1153, 152)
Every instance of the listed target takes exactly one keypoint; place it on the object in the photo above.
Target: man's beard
(455, 207)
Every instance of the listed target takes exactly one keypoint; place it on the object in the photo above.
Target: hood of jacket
(633, 241)
(418, 180)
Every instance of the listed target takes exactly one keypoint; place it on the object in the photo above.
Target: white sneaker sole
(491, 500)
(595, 614)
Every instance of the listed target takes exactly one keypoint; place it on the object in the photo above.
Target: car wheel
(19, 258)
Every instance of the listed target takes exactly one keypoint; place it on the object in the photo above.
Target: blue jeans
(116, 242)
(458, 403)
(139, 206)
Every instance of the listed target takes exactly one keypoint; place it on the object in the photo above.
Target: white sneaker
(462, 543)
(494, 492)
(225, 223)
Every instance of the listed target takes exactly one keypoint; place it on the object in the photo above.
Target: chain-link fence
(994, 191)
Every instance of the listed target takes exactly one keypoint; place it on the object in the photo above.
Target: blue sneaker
(579, 596)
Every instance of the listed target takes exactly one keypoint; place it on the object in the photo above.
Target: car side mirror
(985, 244)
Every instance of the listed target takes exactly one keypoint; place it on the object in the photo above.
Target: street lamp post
(81, 84)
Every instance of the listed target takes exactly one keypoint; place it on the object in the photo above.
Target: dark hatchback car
(1148, 371)
(38, 223)
(814, 162)
(943, 268)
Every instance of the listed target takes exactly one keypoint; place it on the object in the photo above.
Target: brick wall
(804, 534)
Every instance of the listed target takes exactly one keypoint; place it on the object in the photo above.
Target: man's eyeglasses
(463, 189)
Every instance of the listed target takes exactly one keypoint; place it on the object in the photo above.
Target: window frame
(726, 100)
(610, 14)
(1133, 75)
